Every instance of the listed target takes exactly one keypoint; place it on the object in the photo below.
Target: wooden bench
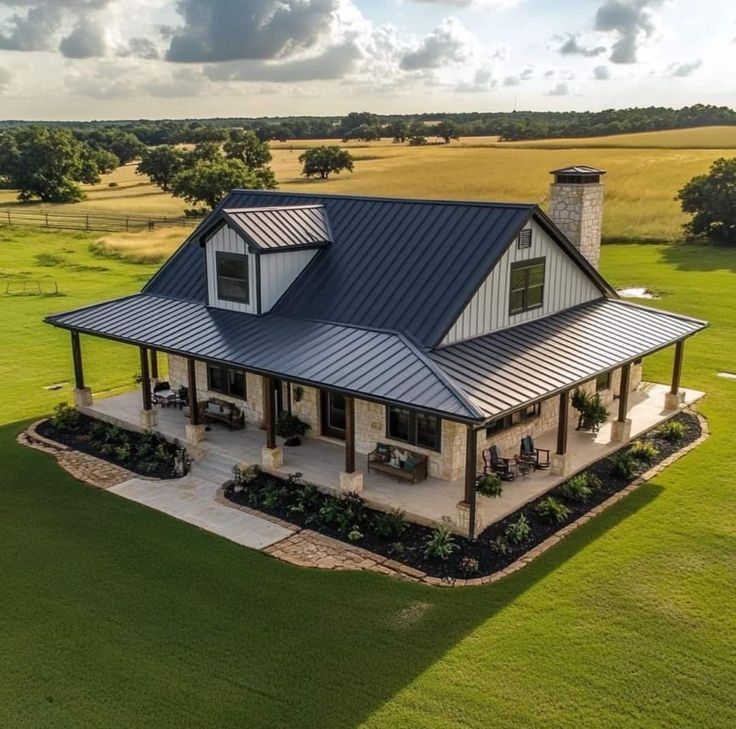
(379, 461)
(221, 411)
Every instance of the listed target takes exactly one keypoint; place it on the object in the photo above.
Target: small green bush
(643, 451)
(289, 425)
(355, 535)
(390, 526)
(576, 489)
(66, 419)
(271, 495)
(490, 485)
(500, 545)
(440, 544)
(624, 464)
(552, 510)
(518, 531)
(307, 502)
(396, 549)
(672, 431)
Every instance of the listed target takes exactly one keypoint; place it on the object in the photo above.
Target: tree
(363, 133)
(324, 160)
(209, 181)
(711, 200)
(399, 131)
(161, 165)
(48, 164)
(205, 152)
(245, 145)
(446, 130)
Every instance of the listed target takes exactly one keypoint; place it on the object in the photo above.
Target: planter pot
(295, 440)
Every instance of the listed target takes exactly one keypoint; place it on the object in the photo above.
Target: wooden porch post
(145, 379)
(192, 386)
(349, 435)
(562, 423)
(471, 455)
(268, 413)
(154, 364)
(77, 361)
(677, 368)
(623, 393)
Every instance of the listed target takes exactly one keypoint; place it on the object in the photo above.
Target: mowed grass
(645, 171)
(115, 615)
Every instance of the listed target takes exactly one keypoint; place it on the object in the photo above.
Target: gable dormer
(253, 255)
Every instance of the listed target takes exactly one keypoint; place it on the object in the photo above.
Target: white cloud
(683, 70)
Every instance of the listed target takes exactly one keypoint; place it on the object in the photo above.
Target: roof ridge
(272, 208)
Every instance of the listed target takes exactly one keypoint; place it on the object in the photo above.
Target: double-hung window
(226, 380)
(232, 277)
(417, 429)
(526, 286)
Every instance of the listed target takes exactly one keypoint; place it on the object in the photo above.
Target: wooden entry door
(333, 414)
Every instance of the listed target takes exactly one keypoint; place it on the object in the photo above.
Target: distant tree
(399, 131)
(161, 165)
(246, 146)
(124, 145)
(209, 181)
(417, 140)
(205, 152)
(48, 164)
(96, 162)
(446, 130)
(364, 133)
(323, 161)
(356, 119)
(711, 200)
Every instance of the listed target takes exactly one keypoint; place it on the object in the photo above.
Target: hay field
(641, 184)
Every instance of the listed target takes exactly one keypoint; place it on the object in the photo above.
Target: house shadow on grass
(179, 624)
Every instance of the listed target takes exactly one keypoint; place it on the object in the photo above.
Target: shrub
(66, 418)
(390, 526)
(289, 425)
(672, 431)
(440, 544)
(623, 464)
(270, 495)
(307, 502)
(552, 510)
(500, 545)
(396, 549)
(518, 531)
(469, 566)
(593, 412)
(576, 489)
(355, 535)
(123, 452)
(643, 451)
(490, 485)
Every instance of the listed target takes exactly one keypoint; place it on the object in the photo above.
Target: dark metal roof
(506, 370)
(279, 228)
(582, 170)
(373, 364)
(405, 265)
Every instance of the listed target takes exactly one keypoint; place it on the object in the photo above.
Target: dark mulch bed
(170, 462)
(489, 558)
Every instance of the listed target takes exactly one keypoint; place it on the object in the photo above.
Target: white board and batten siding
(278, 271)
(565, 286)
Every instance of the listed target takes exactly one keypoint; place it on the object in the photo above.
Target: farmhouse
(411, 336)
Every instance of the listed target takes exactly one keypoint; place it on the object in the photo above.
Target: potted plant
(593, 413)
(489, 484)
(290, 427)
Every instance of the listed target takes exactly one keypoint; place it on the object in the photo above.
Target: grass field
(114, 615)
(645, 171)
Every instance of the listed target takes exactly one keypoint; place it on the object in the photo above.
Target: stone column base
(194, 433)
(463, 518)
(621, 432)
(148, 419)
(673, 402)
(272, 457)
(561, 464)
(83, 397)
(351, 481)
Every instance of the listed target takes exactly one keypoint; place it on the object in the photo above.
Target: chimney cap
(581, 170)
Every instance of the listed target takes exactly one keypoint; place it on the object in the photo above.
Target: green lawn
(114, 615)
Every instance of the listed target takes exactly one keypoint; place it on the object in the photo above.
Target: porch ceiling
(504, 371)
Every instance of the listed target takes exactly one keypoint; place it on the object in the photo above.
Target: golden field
(645, 172)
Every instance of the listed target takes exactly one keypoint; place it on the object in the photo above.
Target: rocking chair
(494, 463)
(538, 457)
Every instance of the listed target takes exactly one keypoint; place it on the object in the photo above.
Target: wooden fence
(88, 221)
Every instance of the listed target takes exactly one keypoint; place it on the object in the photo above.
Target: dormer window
(232, 278)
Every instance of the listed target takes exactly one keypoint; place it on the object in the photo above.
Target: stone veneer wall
(577, 210)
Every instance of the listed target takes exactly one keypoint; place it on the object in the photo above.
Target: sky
(130, 59)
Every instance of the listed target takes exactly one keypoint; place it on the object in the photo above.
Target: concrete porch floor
(320, 460)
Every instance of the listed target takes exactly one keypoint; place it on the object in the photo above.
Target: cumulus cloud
(573, 47)
(631, 20)
(230, 30)
(33, 31)
(87, 40)
(683, 70)
(472, 3)
(561, 89)
(601, 73)
(449, 43)
(140, 48)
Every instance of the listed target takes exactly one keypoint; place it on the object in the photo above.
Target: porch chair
(494, 463)
(539, 457)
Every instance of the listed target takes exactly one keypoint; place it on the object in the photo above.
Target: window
(232, 277)
(525, 238)
(603, 382)
(417, 429)
(526, 286)
(226, 381)
(518, 416)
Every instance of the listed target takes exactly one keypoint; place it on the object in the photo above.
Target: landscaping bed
(439, 553)
(147, 453)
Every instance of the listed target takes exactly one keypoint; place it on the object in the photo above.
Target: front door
(281, 397)
(333, 414)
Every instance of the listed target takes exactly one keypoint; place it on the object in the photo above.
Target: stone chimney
(576, 207)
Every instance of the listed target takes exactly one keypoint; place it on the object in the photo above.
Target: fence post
(126, 225)
(9, 221)
(87, 223)
(47, 220)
